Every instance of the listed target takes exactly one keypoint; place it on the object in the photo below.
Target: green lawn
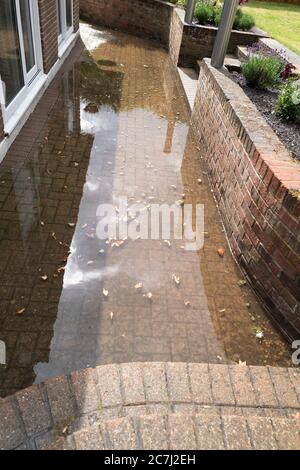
(280, 20)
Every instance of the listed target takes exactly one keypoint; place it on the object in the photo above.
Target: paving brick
(209, 432)
(89, 439)
(121, 434)
(242, 386)
(85, 389)
(295, 379)
(109, 385)
(132, 384)
(59, 445)
(155, 382)
(287, 433)
(200, 383)
(60, 399)
(236, 433)
(178, 382)
(221, 385)
(263, 386)
(284, 388)
(261, 433)
(34, 411)
(153, 433)
(11, 430)
(182, 432)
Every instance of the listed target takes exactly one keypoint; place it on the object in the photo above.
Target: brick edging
(254, 181)
(35, 417)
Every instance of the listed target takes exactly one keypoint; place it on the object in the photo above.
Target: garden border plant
(268, 80)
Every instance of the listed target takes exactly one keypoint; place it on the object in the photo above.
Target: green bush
(204, 13)
(288, 104)
(262, 72)
(245, 22)
(207, 13)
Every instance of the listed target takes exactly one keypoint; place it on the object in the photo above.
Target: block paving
(114, 122)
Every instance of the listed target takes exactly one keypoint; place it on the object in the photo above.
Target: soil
(265, 101)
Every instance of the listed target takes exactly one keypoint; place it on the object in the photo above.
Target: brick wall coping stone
(36, 417)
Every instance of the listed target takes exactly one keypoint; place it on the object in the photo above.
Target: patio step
(37, 417)
(172, 431)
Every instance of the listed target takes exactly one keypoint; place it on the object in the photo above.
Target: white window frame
(62, 16)
(30, 77)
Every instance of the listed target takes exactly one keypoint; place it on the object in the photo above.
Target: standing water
(115, 124)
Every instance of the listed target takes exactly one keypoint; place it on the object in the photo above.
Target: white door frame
(31, 76)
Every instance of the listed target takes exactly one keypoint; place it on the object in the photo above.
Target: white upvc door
(22, 61)
(64, 20)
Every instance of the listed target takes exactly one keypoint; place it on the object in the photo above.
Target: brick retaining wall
(252, 177)
(146, 18)
(156, 19)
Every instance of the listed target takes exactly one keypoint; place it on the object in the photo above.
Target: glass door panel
(69, 14)
(11, 69)
(26, 21)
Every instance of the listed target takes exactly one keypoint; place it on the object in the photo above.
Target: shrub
(288, 104)
(208, 11)
(204, 13)
(262, 72)
(245, 22)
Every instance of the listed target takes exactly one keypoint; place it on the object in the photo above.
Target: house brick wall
(48, 23)
(145, 18)
(76, 14)
(255, 184)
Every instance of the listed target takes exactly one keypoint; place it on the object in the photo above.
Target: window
(20, 53)
(64, 19)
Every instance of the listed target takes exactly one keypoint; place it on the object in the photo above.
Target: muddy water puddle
(118, 126)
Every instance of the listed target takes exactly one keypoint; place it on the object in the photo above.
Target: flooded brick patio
(114, 123)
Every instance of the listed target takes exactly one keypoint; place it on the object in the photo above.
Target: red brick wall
(252, 177)
(146, 18)
(48, 22)
(76, 14)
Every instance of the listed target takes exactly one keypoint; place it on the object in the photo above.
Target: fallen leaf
(20, 312)
(242, 283)
(179, 203)
(221, 252)
(243, 364)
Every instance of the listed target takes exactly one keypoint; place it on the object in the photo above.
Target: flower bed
(267, 79)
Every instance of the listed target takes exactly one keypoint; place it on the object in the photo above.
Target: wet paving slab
(114, 123)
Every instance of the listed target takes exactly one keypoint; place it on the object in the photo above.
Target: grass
(280, 20)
